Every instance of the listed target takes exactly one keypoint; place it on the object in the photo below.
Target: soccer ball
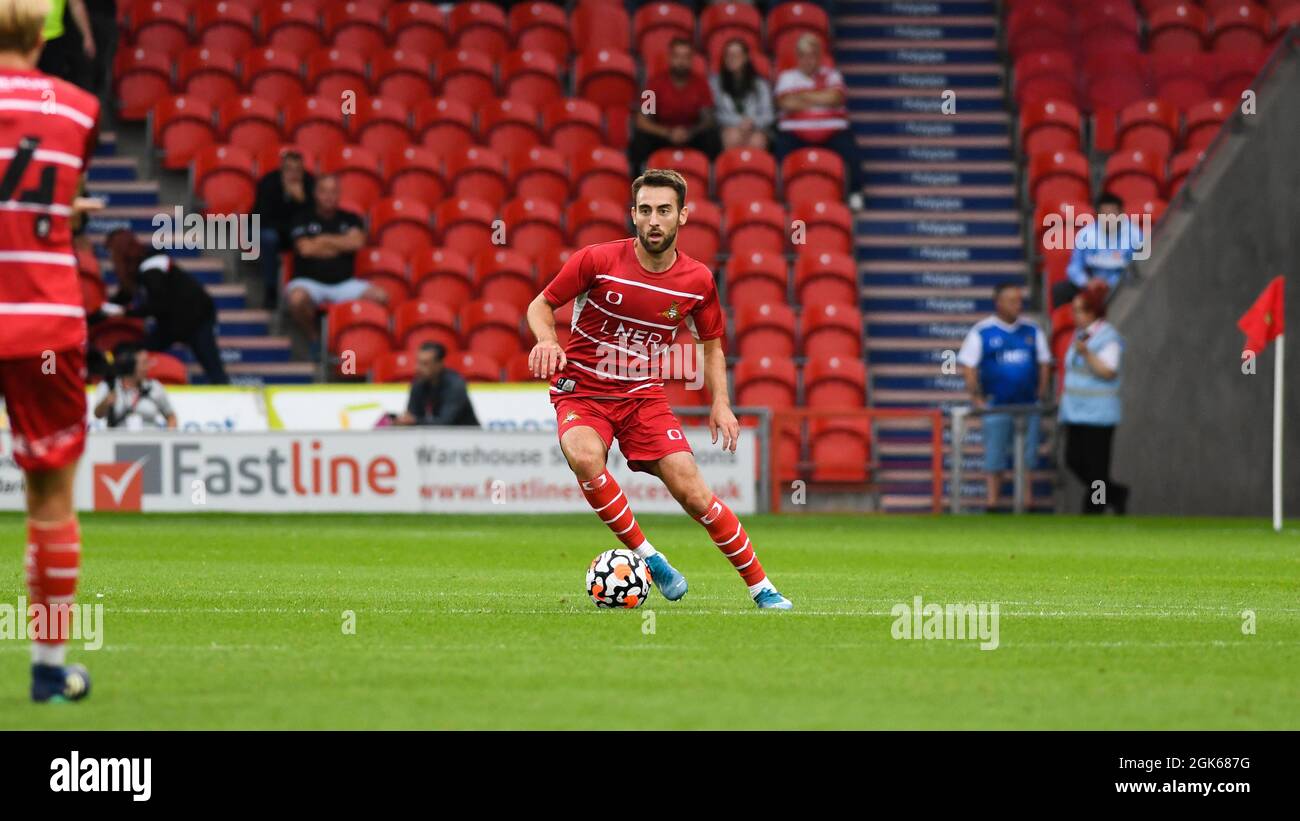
(618, 578)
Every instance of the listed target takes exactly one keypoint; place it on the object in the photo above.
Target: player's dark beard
(659, 246)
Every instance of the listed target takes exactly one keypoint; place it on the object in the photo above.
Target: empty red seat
(541, 27)
(315, 123)
(1204, 120)
(355, 27)
(602, 22)
(224, 179)
(466, 75)
(787, 21)
(831, 329)
(274, 75)
(402, 225)
(477, 173)
(701, 236)
(1175, 28)
(491, 328)
(759, 225)
(382, 126)
(418, 27)
(1046, 75)
(1049, 125)
(209, 74)
(248, 122)
(572, 126)
(292, 25)
(1116, 79)
(166, 368)
(1242, 26)
(691, 164)
(1134, 175)
(518, 369)
(1038, 27)
(655, 25)
(506, 276)
(756, 277)
(334, 73)
(403, 76)
(465, 225)
(475, 366)
(385, 269)
(742, 175)
(415, 173)
(722, 22)
(1182, 79)
(508, 125)
(444, 124)
(601, 173)
(835, 382)
(1059, 175)
(606, 77)
(417, 321)
(393, 367)
(1149, 125)
(182, 126)
(442, 275)
(533, 76)
(1180, 166)
(825, 224)
(592, 221)
(539, 173)
(840, 449)
(143, 79)
(533, 225)
(1107, 23)
(765, 381)
(1236, 71)
(765, 328)
(812, 174)
(159, 26)
(358, 335)
(1155, 207)
(827, 278)
(480, 27)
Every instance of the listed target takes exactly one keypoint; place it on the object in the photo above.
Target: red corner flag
(1263, 322)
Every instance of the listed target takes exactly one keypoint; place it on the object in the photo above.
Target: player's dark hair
(1002, 286)
(436, 348)
(661, 178)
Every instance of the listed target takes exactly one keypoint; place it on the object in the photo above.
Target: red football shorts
(45, 398)
(646, 429)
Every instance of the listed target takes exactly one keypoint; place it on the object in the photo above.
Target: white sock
(646, 550)
(763, 584)
(52, 654)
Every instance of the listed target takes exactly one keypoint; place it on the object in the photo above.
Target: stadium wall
(1197, 433)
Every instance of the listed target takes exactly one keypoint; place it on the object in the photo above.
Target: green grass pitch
(482, 622)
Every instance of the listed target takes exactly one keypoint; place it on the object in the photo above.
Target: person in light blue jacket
(1090, 403)
(1103, 250)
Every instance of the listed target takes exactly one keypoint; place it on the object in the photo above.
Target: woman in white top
(742, 100)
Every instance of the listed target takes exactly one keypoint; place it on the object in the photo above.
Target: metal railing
(1019, 414)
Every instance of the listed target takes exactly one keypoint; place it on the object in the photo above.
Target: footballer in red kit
(47, 135)
(629, 299)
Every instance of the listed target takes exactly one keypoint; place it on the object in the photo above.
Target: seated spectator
(1090, 403)
(1006, 361)
(438, 394)
(743, 100)
(811, 101)
(1103, 250)
(325, 243)
(682, 112)
(130, 399)
(176, 305)
(281, 194)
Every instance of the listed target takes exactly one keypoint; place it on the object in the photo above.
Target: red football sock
(607, 500)
(53, 563)
(729, 535)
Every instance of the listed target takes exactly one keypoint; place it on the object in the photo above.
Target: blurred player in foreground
(630, 297)
(47, 136)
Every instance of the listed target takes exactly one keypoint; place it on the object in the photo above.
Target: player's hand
(546, 358)
(722, 420)
(83, 205)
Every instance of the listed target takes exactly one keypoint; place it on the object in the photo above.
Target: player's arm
(721, 417)
(547, 356)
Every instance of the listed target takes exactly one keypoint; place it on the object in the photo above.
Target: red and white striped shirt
(47, 136)
(817, 123)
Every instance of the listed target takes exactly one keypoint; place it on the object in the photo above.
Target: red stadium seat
(414, 173)
(143, 79)
(759, 225)
(518, 370)
(1241, 26)
(1038, 27)
(835, 382)
(825, 225)
(743, 175)
(209, 74)
(225, 26)
(532, 76)
(182, 126)
(166, 368)
(601, 174)
(466, 75)
(1154, 207)
(1180, 166)
(1181, 79)
(160, 26)
(812, 175)
(402, 76)
(358, 335)
(393, 367)
(1134, 175)
(480, 27)
(249, 122)
(830, 329)
(756, 277)
(1150, 125)
(602, 22)
(224, 179)
(1116, 79)
(541, 27)
(1236, 71)
(655, 25)
(442, 275)
(1049, 125)
(840, 449)
(765, 381)
(292, 26)
(592, 221)
(827, 278)
(1046, 75)
(533, 225)
(764, 329)
(572, 126)
(274, 75)
(417, 321)
(381, 126)
(355, 27)
(1178, 27)
(691, 164)
(419, 28)
(606, 77)
(334, 73)
(477, 173)
(444, 124)
(1106, 24)
(474, 366)
(787, 21)
(722, 22)
(506, 276)
(1059, 175)
(701, 236)
(1204, 121)
(508, 125)
(549, 261)
(401, 225)
(385, 269)
(465, 225)
(539, 173)
(316, 124)
(491, 328)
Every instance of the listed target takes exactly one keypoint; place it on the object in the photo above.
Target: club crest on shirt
(673, 312)
(570, 416)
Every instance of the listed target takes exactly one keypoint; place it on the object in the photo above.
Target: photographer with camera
(132, 400)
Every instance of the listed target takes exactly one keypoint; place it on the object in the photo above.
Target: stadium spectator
(69, 43)
(743, 100)
(131, 399)
(682, 109)
(177, 305)
(325, 243)
(1103, 250)
(811, 101)
(1090, 403)
(1006, 361)
(438, 394)
(281, 195)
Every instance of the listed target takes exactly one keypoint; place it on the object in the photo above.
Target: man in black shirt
(156, 287)
(325, 244)
(438, 394)
(281, 194)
